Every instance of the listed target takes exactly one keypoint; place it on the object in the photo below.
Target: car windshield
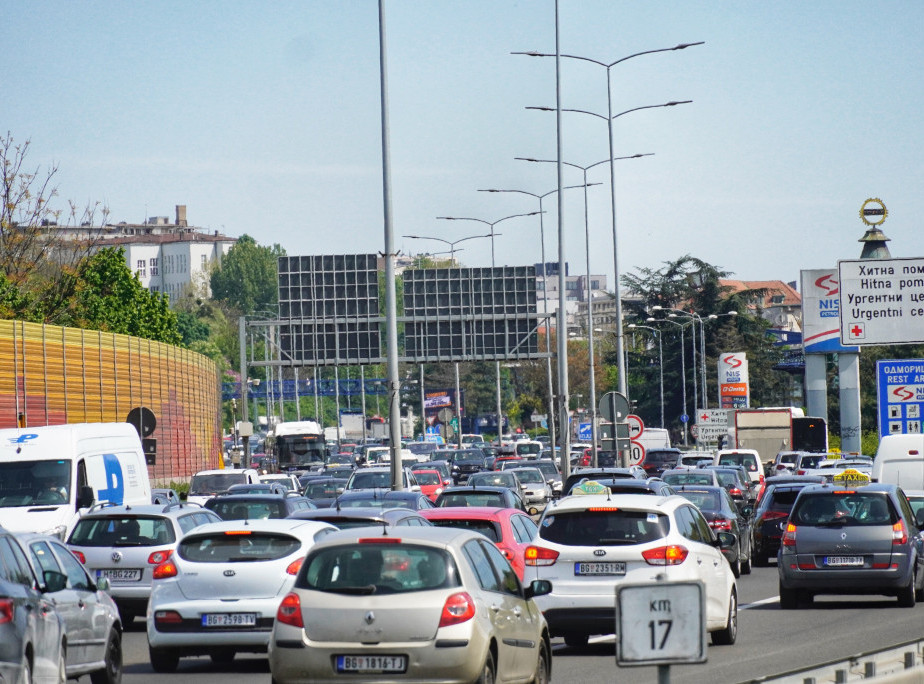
(496, 479)
(234, 546)
(488, 528)
(425, 477)
(122, 531)
(35, 483)
(212, 483)
(473, 498)
(604, 528)
(843, 507)
(689, 477)
(323, 490)
(370, 479)
(370, 568)
(254, 509)
(530, 475)
(708, 501)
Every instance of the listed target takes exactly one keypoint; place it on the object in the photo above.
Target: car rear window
(370, 480)
(812, 461)
(212, 483)
(370, 568)
(783, 499)
(375, 502)
(488, 528)
(234, 546)
(747, 460)
(426, 478)
(323, 490)
(708, 501)
(844, 507)
(611, 527)
(495, 479)
(472, 499)
(655, 456)
(248, 510)
(122, 531)
(689, 477)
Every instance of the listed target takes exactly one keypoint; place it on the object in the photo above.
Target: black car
(348, 518)
(597, 474)
(770, 516)
(722, 514)
(499, 497)
(736, 481)
(256, 506)
(322, 491)
(382, 498)
(462, 462)
(656, 461)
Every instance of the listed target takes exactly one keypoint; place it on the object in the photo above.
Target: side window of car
(704, 532)
(686, 525)
(16, 563)
(907, 512)
(187, 522)
(510, 584)
(523, 528)
(481, 566)
(76, 575)
(43, 558)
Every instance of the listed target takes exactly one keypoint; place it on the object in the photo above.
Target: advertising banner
(734, 391)
(821, 332)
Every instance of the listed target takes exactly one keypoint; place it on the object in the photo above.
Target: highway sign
(636, 426)
(585, 431)
(900, 390)
(881, 301)
(614, 407)
(710, 424)
(660, 623)
(636, 453)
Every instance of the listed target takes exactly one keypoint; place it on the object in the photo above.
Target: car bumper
(190, 637)
(866, 580)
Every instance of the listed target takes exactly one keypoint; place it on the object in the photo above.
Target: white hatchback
(217, 595)
(586, 545)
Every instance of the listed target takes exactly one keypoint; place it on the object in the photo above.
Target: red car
(510, 530)
(431, 483)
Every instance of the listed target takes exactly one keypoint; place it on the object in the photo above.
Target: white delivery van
(50, 474)
(208, 483)
(900, 460)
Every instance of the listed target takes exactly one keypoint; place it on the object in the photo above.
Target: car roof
(175, 508)
(358, 512)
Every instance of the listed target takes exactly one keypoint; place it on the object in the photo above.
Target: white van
(208, 483)
(49, 475)
(900, 460)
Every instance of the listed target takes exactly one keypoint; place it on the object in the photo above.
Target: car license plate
(843, 561)
(120, 574)
(371, 664)
(600, 568)
(229, 619)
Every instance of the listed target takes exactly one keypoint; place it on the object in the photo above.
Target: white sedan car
(217, 595)
(588, 544)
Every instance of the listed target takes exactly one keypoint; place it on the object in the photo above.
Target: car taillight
(79, 556)
(801, 471)
(773, 515)
(789, 535)
(295, 566)
(6, 610)
(538, 556)
(734, 491)
(165, 570)
(290, 611)
(458, 608)
(721, 525)
(666, 555)
(167, 617)
(761, 478)
(159, 557)
(899, 533)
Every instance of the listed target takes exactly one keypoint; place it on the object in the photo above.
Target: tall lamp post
(452, 243)
(491, 224)
(623, 386)
(657, 332)
(683, 369)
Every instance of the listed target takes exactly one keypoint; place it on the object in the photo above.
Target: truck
(352, 425)
(771, 430)
(297, 445)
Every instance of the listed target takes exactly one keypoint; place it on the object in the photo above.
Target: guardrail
(897, 664)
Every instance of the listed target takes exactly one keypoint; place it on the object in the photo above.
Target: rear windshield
(248, 510)
(122, 531)
(496, 479)
(323, 490)
(726, 478)
(371, 480)
(532, 476)
(844, 507)
(604, 528)
(488, 528)
(783, 499)
(747, 460)
(655, 456)
(812, 461)
(472, 499)
(426, 478)
(377, 502)
(708, 501)
(377, 569)
(214, 483)
(689, 477)
(236, 546)
(529, 448)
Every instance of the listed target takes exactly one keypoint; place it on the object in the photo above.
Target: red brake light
(666, 555)
(789, 535)
(295, 566)
(170, 617)
(165, 570)
(538, 556)
(722, 525)
(734, 491)
(458, 608)
(6, 611)
(761, 478)
(79, 556)
(899, 533)
(234, 532)
(159, 557)
(290, 611)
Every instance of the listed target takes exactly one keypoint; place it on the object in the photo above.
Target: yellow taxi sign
(589, 487)
(853, 476)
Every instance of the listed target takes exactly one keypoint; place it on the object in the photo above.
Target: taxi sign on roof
(589, 487)
(853, 476)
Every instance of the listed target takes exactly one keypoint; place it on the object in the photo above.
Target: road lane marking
(762, 602)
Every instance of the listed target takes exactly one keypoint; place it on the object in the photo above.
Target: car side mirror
(726, 540)
(537, 587)
(54, 581)
(919, 517)
(747, 511)
(103, 584)
(86, 498)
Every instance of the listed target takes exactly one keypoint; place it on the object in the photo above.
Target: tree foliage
(246, 280)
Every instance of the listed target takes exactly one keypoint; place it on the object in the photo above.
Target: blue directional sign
(585, 432)
(684, 418)
(900, 391)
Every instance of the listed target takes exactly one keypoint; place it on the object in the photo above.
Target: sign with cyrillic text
(881, 301)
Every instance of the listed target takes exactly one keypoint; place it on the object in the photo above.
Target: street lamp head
(657, 307)
(632, 325)
(651, 319)
(732, 313)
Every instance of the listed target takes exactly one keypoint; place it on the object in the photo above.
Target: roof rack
(101, 505)
(180, 504)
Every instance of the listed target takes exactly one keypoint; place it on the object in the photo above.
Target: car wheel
(736, 567)
(222, 656)
(789, 598)
(543, 666)
(746, 567)
(487, 671)
(62, 665)
(727, 636)
(164, 659)
(112, 672)
(25, 672)
(576, 640)
(907, 595)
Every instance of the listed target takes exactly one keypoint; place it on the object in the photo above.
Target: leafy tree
(191, 329)
(247, 278)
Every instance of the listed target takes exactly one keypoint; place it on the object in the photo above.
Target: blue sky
(263, 118)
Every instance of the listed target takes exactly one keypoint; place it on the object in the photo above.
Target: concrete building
(579, 290)
(781, 304)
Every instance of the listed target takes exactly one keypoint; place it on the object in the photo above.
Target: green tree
(191, 329)
(247, 278)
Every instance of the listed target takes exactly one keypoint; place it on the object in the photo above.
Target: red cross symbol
(857, 330)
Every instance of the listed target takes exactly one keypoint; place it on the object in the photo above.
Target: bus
(297, 445)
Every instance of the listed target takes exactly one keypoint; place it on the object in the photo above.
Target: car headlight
(57, 531)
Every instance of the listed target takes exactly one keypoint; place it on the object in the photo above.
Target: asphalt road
(770, 641)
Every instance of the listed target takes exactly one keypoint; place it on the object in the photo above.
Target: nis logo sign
(828, 302)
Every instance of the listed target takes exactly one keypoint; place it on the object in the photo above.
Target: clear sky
(264, 118)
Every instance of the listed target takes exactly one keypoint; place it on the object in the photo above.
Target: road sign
(710, 424)
(684, 418)
(900, 390)
(660, 623)
(636, 426)
(614, 407)
(881, 301)
(585, 432)
(636, 453)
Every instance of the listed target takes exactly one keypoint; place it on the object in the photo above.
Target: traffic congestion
(494, 573)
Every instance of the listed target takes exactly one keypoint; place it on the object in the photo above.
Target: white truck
(297, 445)
(772, 430)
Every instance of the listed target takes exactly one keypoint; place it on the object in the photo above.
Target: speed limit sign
(636, 453)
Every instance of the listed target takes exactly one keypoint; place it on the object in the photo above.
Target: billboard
(734, 390)
(882, 301)
(821, 312)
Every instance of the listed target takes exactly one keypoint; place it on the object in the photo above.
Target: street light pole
(452, 243)
(660, 362)
(683, 369)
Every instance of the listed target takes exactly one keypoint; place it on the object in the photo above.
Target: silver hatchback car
(851, 540)
(125, 543)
